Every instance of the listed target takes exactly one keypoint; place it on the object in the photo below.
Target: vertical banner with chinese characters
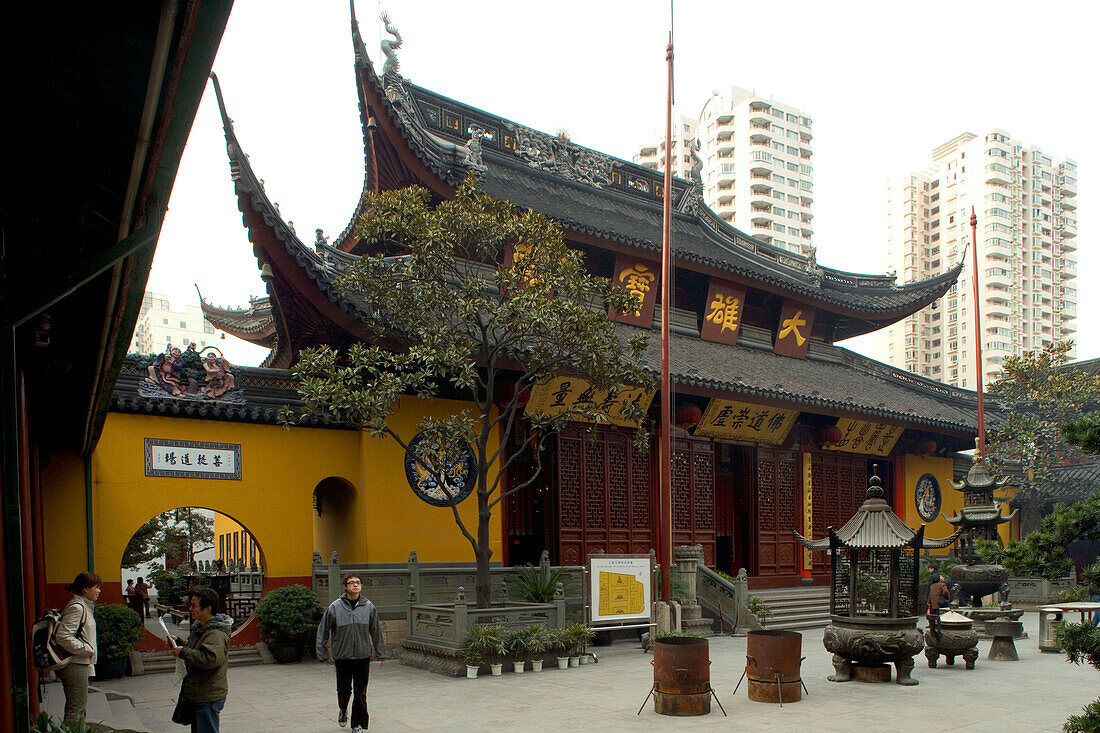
(793, 336)
(639, 277)
(192, 459)
(569, 393)
(807, 509)
(743, 421)
(722, 318)
(860, 436)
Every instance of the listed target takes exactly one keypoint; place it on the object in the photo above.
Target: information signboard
(620, 590)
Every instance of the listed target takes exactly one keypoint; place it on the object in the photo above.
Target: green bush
(1087, 723)
(759, 608)
(678, 635)
(169, 585)
(1076, 593)
(536, 584)
(118, 630)
(286, 614)
(43, 723)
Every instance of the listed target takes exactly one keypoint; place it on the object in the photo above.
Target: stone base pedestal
(871, 672)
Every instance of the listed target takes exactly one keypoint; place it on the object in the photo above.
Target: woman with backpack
(76, 635)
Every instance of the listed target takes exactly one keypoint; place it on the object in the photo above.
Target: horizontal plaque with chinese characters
(860, 436)
(570, 393)
(192, 459)
(744, 421)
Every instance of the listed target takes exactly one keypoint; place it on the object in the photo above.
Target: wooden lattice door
(778, 509)
(693, 495)
(839, 488)
(605, 494)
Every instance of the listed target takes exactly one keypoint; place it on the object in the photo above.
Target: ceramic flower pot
(471, 671)
(536, 665)
(563, 662)
(517, 666)
(584, 659)
(495, 669)
(574, 661)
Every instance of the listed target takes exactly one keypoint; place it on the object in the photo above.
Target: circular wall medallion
(458, 476)
(927, 497)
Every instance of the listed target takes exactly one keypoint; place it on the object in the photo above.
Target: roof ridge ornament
(473, 161)
(389, 48)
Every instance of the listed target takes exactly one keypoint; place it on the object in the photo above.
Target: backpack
(46, 653)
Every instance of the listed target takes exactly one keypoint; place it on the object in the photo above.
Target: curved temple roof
(596, 195)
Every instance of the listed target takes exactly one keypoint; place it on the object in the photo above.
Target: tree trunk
(482, 553)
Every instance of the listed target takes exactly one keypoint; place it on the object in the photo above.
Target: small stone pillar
(688, 559)
(335, 589)
(461, 619)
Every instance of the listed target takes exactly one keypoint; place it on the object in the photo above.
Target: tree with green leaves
(1041, 394)
(478, 301)
(180, 534)
(1043, 553)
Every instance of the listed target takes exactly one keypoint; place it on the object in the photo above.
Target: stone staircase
(804, 607)
(157, 662)
(112, 711)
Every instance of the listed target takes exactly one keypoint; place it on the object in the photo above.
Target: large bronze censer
(874, 591)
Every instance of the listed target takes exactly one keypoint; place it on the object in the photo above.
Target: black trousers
(352, 676)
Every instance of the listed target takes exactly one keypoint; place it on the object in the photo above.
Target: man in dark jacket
(351, 630)
(206, 655)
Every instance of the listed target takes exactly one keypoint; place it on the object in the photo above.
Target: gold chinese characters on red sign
(795, 323)
(859, 436)
(744, 421)
(640, 277)
(724, 307)
(571, 393)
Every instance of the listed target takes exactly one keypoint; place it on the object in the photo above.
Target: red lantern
(927, 448)
(831, 435)
(688, 415)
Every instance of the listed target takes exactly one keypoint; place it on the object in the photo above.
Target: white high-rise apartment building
(756, 170)
(1027, 261)
(160, 327)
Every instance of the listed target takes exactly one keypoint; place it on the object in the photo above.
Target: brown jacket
(937, 594)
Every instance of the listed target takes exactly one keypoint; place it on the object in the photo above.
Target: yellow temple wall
(384, 520)
(951, 500)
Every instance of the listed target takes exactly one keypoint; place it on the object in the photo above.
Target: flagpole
(978, 335)
(666, 382)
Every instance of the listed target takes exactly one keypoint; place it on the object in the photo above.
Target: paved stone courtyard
(1035, 694)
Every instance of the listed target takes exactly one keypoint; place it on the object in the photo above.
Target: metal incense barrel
(681, 676)
(773, 666)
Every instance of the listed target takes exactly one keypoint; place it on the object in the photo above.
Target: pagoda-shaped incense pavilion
(875, 567)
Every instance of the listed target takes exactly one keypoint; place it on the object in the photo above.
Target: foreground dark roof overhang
(107, 95)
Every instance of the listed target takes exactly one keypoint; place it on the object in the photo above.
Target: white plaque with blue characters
(192, 459)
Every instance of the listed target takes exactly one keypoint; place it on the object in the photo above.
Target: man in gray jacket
(351, 631)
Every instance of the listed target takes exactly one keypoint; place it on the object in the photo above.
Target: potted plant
(486, 641)
(286, 615)
(556, 641)
(537, 645)
(515, 643)
(43, 723)
(758, 607)
(118, 630)
(585, 635)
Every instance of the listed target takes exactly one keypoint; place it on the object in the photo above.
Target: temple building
(777, 426)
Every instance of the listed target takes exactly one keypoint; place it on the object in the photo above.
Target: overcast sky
(884, 83)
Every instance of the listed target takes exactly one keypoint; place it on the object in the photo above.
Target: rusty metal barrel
(681, 676)
(774, 666)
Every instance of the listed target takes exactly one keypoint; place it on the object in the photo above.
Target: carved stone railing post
(746, 618)
(414, 571)
(461, 617)
(688, 559)
(559, 605)
(334, 586)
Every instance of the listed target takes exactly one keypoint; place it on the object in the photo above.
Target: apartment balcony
(805, 136)
(759, 105)
(807, 198)
(725, 200)
(761, 222)
(763, 236)
(1068, 203)
(760, 137)
(1069, 230)
(998, 279)
(760, 187)
(805, 152)
(1067, 245)
(761, 206)
(997, 295)
(648, 152)
(998, 310)
(759, 117)
(807, 230)
(994, 174)
(1068, 186)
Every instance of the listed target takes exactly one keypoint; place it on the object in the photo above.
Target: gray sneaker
(343, 719)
